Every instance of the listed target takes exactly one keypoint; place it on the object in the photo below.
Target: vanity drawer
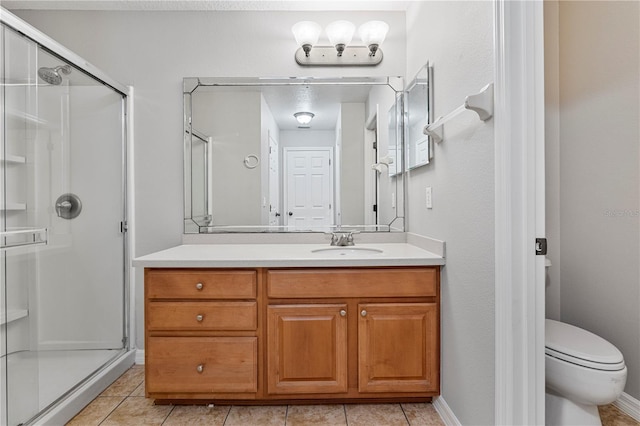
(200, 284)
(202, 316)
(201, 364)
(373, 282)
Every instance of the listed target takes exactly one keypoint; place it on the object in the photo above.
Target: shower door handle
(63, 206)
(68, 206)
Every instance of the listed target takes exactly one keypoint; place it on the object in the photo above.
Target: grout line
(110, 412)
(405, 414)
(168, 414)
(346, 417)
(286, 414)
(224, 422)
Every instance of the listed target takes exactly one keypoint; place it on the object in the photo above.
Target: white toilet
(582, 371)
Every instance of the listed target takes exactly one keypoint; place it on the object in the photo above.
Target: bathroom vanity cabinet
(270, 334)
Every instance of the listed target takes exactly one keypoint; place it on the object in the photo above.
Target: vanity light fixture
(304, 117)
(306, 34)
(340, 33)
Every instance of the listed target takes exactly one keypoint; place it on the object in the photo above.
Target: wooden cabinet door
(398, 347)
(307, 349)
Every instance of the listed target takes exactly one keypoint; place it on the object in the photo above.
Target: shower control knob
(199, 286)
(343, 313)
(199, 317)
(363, 313)
(200, 368)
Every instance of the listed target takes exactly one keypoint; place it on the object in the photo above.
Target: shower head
(52, 75)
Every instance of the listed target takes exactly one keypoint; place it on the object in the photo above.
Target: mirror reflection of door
(308, 188)
(274, 183)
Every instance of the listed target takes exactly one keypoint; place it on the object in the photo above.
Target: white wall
(552, 155)
(598, 182)
(233, 121)
(153, 51)
(307, 138)
(268, 128)
(457, 38)
(352, 164)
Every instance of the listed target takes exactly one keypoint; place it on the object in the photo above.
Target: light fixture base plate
(327, 56)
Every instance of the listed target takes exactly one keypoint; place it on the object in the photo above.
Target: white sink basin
(347, 251)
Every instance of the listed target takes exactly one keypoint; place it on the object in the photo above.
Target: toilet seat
(581, 347)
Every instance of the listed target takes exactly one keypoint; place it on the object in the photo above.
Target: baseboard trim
(629, 405)
(445, 412)
(140, 356)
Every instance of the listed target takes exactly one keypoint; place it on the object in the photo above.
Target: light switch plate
(429, 203)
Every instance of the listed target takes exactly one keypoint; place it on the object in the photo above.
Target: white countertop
(287, 255)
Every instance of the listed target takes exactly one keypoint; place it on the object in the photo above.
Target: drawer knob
(199, 286)
(363, 313)
(199, 317)
(343, 313)
(200, 368)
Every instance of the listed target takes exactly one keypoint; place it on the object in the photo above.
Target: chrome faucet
(342, 239)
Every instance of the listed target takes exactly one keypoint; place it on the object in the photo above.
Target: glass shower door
(63, 298)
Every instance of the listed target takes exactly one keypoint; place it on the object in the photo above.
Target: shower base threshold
(37, 379)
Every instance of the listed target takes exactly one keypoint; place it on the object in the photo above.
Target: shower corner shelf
(16, 159)
(12, 315)
(14, 207)
(24, 116)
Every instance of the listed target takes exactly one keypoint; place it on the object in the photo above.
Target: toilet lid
(580, 347)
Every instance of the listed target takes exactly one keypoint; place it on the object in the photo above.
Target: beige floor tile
(316, 415)
(257, 416)
(96, 411)
(196, 415)
(139, 390)
(126, 383)
(137, 411)
(610, 415)
(422, 414)
(375, 415)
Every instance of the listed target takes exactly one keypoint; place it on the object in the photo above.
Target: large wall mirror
(251, 166)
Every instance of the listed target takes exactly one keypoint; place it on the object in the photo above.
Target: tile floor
(123, 403)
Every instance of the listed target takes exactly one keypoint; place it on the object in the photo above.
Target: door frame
(519, 212)
(278, 186)
(285, 180)
(370, 176)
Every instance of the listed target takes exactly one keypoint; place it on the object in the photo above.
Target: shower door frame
(56, 412)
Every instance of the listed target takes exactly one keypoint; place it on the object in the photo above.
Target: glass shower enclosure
(63, 274)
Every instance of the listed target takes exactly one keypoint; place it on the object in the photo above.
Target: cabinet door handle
(199, 317)
(199, 286)
(343, 313)
(200, 368)
(363, 313)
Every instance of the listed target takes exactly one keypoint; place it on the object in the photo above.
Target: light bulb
(373, 34)
(304, 118)
(306, 34)
(340, 34)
